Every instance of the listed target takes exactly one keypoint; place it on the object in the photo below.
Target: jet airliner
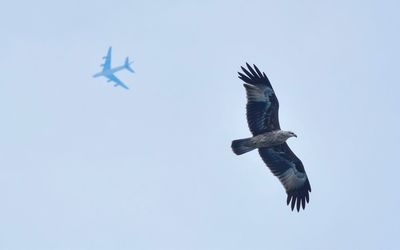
(108, 72)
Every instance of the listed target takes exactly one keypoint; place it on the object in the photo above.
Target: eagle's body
(262, 118)
(265, 140)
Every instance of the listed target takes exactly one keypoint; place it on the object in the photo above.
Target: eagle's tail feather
(242, 146)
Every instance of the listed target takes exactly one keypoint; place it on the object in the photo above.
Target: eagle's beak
(294, 135)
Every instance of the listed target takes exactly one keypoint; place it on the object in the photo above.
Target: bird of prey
(262, 118)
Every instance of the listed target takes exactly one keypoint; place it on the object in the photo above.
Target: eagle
(262, 118)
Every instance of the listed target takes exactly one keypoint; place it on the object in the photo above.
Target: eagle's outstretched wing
(262, 116)
(285, 165)
(262, 104)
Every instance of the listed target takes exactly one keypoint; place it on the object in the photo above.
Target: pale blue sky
(84, 165)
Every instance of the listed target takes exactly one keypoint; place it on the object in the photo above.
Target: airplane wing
(117, 81)
(107, 60)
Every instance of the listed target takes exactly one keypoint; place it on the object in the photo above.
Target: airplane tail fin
(128, 65)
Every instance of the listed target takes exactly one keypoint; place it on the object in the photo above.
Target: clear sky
(84, 165)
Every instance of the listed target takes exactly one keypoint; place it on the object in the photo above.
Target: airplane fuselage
(109, 72)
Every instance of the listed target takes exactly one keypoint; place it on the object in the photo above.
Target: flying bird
(262, 118)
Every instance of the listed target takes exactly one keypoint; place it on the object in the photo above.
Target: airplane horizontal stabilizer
(127, 65)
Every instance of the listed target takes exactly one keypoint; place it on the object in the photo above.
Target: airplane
(108, 72)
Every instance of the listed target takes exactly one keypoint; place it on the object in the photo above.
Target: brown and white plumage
(262, 118)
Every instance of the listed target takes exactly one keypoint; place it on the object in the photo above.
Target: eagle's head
(291, 134)
(284, 135)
